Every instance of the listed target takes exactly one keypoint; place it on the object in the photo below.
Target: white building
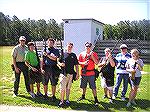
(79, 31)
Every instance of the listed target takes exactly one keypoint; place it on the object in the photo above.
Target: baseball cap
(88, 44)
(123, 46)
(22, 38)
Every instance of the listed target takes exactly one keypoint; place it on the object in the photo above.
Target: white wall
(78, 33)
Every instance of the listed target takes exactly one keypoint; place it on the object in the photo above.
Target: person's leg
(31, 88)
(117, 85)
(125, 86)
(68, 87)
(38, 87)
(83, 85)
(16, 83)
(26, 78)
(91, 80)
(63, 83)
(103, 85)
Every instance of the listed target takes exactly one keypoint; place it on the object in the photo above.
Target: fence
(142, 46)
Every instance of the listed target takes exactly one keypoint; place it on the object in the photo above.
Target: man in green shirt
(31, 60)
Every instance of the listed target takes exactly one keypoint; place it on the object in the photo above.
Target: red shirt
(91, 65)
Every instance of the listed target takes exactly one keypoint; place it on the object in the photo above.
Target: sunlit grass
(6, 87)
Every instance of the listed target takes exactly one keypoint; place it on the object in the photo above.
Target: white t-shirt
(131, 63)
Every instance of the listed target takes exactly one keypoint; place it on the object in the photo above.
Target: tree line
(11, 28)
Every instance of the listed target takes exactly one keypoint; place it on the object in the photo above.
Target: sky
(106, 11)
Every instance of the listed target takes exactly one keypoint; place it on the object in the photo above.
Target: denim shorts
(88, 79)
(135, 82)
(49, 76)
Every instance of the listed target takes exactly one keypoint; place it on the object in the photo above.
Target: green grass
(6, 84)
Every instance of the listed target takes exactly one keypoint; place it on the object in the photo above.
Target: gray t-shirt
(19, 52)
(131, 62)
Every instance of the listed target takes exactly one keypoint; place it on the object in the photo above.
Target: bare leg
(38, 87)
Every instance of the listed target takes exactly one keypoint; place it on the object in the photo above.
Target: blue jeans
(118, 82)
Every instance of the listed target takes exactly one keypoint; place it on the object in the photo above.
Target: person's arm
(54, 58)
(29, 66)
(112, 63)
(94, 58)
(77, 71)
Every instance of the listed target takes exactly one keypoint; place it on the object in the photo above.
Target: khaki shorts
(65, 81)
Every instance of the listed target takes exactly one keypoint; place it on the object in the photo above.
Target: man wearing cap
(87, 60)
(121, 72)
(18, 56)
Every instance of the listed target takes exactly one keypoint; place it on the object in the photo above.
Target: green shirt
(31, 58)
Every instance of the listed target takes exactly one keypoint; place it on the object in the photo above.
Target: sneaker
(113, 97)
(61, 104)
(96, 102)
(67, 102)
(45, 96)
(39, 94)
(133, 102)
(128, 104)
(15, 95)
(111, 101)
(105, 96)
(32, 94)
(81, 98)
(53, 98)
(123, 98)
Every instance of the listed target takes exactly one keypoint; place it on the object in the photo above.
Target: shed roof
(94, 20)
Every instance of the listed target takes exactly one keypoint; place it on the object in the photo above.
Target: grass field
(7, 78)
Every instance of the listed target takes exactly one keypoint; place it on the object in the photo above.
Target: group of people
(53, 67)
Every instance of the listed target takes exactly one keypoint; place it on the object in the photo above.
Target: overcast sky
(106, 11)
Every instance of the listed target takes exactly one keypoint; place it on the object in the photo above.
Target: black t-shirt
(70, 61)
(108, 70)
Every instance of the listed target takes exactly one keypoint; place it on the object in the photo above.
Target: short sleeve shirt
(19, 52)
(70, 61)
(130, 63)
(52, 52)
(31, 57)
(91, 65)
(120, 63)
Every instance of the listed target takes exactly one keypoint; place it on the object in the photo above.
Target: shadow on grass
(103, 106)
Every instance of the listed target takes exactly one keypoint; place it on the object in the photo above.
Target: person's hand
(17, 70)
(34, 69)
(45, 53)
(110, 56)
(42, 71)
(62, 64)
(86, 62)
(77, 76)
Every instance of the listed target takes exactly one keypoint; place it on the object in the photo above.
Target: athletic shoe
(96, 102)
(133, 102)
(81, 98)
(32, 94)
(39, 94)
(61, 104)
(105, 96)
(111, 101)
(53, 98)
(15, 95)
(67, 102)
(128, 104)
(123, 98)
(45, 96)
(113, 97)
